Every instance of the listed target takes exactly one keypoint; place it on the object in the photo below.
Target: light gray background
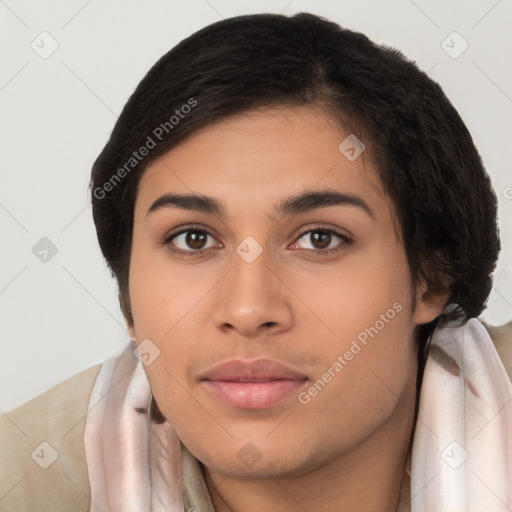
(62, 316)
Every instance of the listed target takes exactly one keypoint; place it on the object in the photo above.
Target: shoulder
(502, 339)
(42, 450)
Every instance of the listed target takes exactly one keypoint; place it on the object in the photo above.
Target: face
(306, 304)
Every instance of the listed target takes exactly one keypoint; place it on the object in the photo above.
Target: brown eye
(195, 239)
(321, 240)
(191, 240)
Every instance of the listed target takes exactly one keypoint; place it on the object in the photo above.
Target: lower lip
(253, 395)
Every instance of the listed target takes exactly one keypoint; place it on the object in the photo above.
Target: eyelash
(345, 239)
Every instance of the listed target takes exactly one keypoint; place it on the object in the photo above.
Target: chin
(257, 459)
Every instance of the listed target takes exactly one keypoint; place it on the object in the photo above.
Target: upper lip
(259, 370)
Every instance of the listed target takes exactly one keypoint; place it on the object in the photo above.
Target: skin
(346, 448)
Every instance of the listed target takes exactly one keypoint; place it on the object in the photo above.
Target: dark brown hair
(421, 148)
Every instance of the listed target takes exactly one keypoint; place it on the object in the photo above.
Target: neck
(367, 477)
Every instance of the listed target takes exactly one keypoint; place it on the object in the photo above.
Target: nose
(253, 300)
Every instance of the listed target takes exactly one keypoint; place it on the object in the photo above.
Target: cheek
(165, 310)
(371, 288)
(368, 329)
(365, 377)
(160, 295)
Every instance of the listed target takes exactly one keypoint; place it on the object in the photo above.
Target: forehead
(260, 156)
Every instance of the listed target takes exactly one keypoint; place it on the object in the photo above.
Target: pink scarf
(461, 455)
(134, 464)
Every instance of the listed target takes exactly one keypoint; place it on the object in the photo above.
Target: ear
(429, 305)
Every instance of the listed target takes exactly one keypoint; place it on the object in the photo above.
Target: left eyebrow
(309, 201)
(292, 205)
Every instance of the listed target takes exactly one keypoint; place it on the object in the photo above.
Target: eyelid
(185, 229)
(347, 240)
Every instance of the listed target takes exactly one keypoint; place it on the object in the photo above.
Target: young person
(303, 235)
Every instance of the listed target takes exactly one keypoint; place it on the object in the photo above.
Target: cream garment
(56, 417)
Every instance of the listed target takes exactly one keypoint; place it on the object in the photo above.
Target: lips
(237, 370)
(256, 384)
